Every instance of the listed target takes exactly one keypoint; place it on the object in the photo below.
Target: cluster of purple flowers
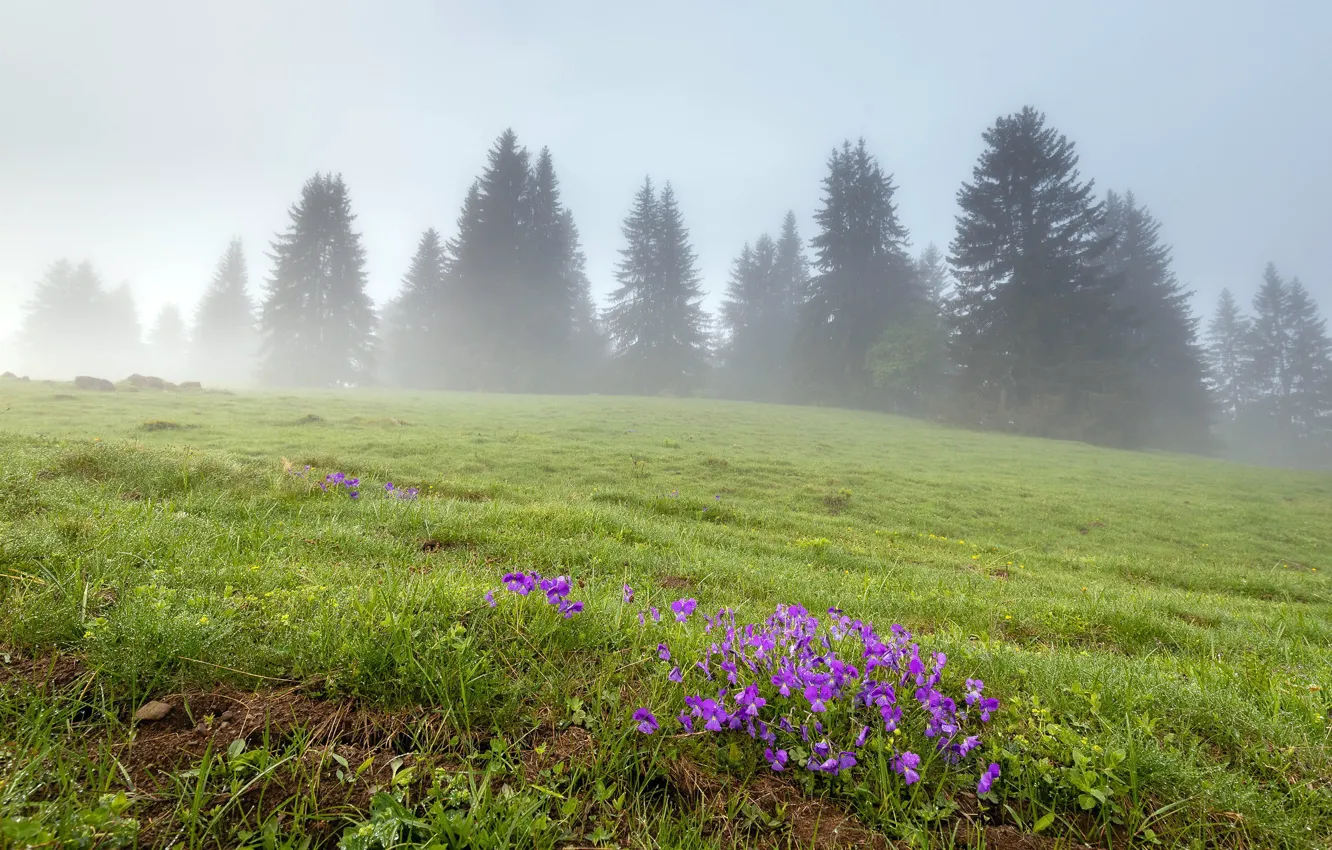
(406, 494)
(556, 590)
(339, 480)
(798, 685)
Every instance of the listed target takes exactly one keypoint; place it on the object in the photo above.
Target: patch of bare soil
(45, 672)
(810, 822)
(675, 582)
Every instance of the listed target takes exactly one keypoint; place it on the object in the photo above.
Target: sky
(143, 134)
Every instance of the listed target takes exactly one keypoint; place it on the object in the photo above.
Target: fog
(142, 136)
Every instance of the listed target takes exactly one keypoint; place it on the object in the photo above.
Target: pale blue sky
(142, 134)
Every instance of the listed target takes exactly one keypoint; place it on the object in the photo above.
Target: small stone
(154, 710)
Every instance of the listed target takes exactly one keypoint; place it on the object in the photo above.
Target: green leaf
(1044, 822)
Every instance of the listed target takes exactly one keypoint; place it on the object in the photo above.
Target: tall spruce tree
(521, 298)
(932, 276)
(1269, 347)
(757, 319)
(168, 342)
(63, 327)
(317, 321)
(416, 324)
(862, 276)
(656, 321)
(1310, 368)
(225, 341)
(1228, 355)
(791, 268)
(1168, 365)
(1036, 335)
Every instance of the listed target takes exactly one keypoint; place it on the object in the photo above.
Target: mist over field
(868, 207)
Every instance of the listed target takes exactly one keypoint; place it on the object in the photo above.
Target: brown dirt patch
(573, 746)
(675, 582)
(44, 672)
(810, 822)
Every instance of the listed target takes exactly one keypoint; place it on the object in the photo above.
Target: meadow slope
(1157, 628)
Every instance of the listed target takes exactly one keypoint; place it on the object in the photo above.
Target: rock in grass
(154, 710)
(87, 382)
(149, 382)
(191, 385)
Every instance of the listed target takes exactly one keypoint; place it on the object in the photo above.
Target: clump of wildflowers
(816, 694)
(339, 481)
(405, 494)
(556, 590)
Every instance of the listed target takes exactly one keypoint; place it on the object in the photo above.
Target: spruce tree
(655, 320)
(1310, 367)
(587, 338)
(932, 276)
(1036, 336)
(317, 321)
(1269, 348)
(63, 329)
(862, 277)
(1227, 356)
(756, 320)
(1161, 332)
(791, 269)
(416, 323)
(225, 341)
(168, 342)
(521, 298)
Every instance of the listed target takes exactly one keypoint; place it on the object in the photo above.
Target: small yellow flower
(203, 621)
(1008, 616)
(87, 635)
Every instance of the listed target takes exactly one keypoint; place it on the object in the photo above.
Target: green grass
(1158, 627)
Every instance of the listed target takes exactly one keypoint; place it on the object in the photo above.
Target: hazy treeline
(1055, 311)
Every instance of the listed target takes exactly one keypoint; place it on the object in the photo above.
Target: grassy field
(1158, 629)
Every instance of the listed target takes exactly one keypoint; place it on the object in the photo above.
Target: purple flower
(388, 486)
(629, 597)
(354, 495)
(647, 721)
(675, 675)
(683, 608)
(519, 583)
(685, 720)
(663, 652)
(862, 737)
(556, 589)
(490, 598)
(568, 609)
(988, 706)
(987, 779)
(906, 765)
(777, 759)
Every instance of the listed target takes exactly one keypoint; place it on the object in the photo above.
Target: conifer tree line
(1053, 311)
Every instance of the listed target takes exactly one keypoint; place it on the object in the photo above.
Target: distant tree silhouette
(862, 277)
(1036, 336)
(1161, 330)
(1228, 356)
(225, 342)
(656, 322)
(417, 328)
(519, 301)
(317, 321)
